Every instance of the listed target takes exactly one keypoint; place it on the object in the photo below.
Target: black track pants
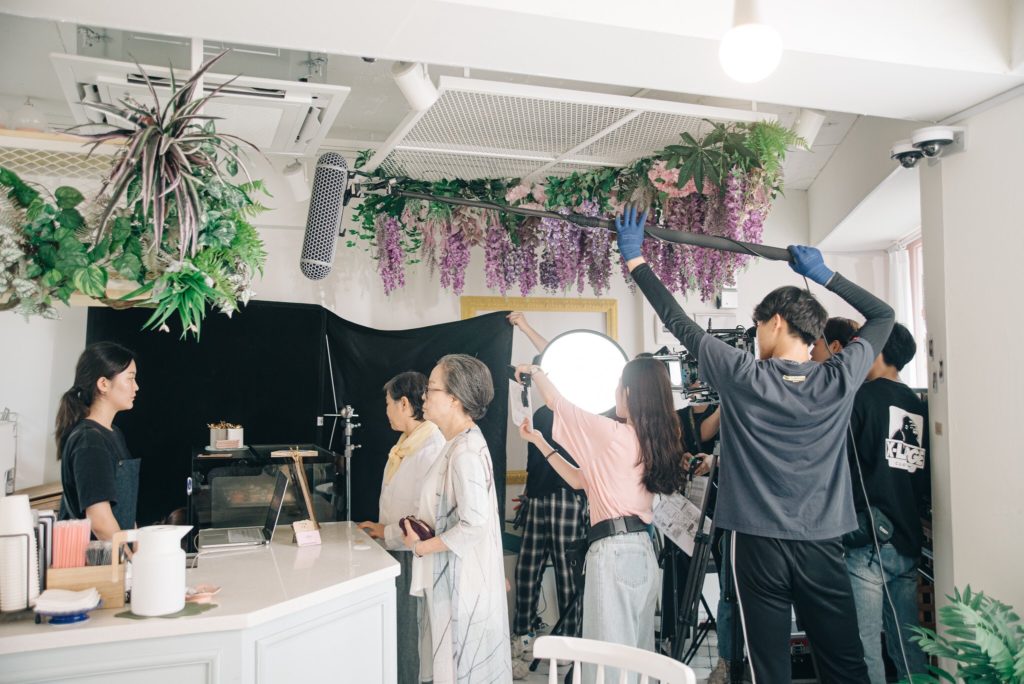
(773, 575)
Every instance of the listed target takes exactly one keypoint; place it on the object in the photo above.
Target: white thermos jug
(158, 568)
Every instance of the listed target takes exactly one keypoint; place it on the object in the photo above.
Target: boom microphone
(323, 224)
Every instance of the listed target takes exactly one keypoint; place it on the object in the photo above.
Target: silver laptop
(230, 537)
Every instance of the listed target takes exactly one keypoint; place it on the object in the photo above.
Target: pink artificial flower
(517, 193)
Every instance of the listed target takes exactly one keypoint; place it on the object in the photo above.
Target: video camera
(682, 366)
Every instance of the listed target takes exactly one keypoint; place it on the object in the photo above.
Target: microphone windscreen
(323, 224)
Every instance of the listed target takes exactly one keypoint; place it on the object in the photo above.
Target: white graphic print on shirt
(903, 448)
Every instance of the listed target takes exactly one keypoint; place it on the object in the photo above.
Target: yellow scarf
(408, 443)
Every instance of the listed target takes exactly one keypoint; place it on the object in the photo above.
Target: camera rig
(683, 370)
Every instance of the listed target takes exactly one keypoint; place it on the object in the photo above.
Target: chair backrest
(650, 666)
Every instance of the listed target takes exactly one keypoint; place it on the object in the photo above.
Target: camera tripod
(688, 599)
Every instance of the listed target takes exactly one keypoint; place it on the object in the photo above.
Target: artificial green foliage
(757, 148)
(176, 221)
(171, 153)
(982, 636)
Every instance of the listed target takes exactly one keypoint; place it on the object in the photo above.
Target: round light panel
(585, 366)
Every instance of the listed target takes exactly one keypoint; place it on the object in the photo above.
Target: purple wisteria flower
(390, 256)
(453, 262)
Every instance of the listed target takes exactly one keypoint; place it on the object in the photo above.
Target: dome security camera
(905, 153)
(932, 139)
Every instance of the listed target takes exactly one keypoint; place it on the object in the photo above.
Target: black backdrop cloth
(267, 369)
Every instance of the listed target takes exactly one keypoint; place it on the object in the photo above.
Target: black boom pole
(681, 237)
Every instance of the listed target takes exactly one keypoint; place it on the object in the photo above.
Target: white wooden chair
(650, 666)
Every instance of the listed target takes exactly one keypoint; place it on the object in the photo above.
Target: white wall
(37, 365)
(852, 173)
(970, 208)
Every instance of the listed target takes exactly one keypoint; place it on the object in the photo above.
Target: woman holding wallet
(457, 540)
(408, 463)
(621, 467)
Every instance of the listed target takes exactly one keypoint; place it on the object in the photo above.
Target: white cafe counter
(284, 614)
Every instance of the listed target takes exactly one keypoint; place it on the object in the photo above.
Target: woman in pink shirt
(621, 467)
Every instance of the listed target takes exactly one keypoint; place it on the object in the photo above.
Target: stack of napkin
(63, 601)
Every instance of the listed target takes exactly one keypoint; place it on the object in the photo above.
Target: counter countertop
(258, 584)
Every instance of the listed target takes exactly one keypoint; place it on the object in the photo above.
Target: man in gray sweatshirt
(785, 493)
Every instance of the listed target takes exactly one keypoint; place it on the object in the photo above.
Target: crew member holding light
(621, 465)
(785, 495)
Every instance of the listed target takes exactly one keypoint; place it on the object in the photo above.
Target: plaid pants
(553, 521)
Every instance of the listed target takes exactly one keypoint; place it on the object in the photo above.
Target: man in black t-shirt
(888, 454)
(556, 516)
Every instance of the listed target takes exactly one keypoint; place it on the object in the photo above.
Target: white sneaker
(720, 675)
(520, 669)
(522, 647)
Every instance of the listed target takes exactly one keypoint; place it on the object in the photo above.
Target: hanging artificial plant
(721, 184)
(176, 221)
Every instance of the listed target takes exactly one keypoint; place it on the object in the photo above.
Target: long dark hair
(649, 400)
(99, 360)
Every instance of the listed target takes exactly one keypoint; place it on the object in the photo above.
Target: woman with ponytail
(621, 466)
(99, 478)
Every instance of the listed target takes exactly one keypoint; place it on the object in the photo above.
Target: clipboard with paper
(520, 404)
(677, 515)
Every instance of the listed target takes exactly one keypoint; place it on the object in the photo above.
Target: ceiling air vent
(488, 129)
(282, 117)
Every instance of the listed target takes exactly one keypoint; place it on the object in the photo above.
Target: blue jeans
(874, 613)
(619, 595)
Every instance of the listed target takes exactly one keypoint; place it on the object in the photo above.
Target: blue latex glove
(807, 262)
(630, 232)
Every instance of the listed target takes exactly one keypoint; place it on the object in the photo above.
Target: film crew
(889, 454)
(409, 461)
(785, 494)
(620, 467)
(838, 333)
(99, 478)
(458, 565)
(555, 521)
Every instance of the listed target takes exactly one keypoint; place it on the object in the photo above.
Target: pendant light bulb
(751, 50)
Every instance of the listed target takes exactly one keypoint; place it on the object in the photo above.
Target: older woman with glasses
(459, 570)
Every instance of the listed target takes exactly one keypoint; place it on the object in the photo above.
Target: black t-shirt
(541, 478)
(890, 429)
(88, 462)
(690, 422)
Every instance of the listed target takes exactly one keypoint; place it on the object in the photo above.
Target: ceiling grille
(486, 129)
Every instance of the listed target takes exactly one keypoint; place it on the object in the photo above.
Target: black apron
(126, 493)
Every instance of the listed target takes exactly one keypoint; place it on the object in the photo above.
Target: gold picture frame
(473, 306)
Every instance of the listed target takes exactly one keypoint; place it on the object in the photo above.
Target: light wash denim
(619, 595)
(874, 612)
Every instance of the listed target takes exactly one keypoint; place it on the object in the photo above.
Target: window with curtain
(906, 296)
(915, 252)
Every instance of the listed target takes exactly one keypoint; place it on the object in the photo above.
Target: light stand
(348, 413)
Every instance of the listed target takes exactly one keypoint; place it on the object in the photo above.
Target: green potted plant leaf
(983, 637)
(175, 220)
